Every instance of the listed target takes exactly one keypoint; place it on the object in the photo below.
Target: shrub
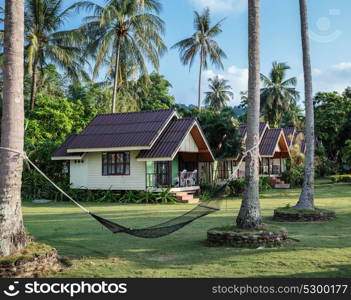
(209, 190)
(294, 176)
(264, 184)
(165, 196)
(237, 186)
(340, 178)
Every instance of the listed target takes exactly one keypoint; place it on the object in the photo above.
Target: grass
(324, 249)
(32, 249)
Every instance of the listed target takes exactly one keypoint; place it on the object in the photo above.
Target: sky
(330, 32)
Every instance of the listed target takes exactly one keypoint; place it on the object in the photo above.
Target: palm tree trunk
(12, 234)
(200, 79)
(250, 213)
(33, 91)
(115, 84)
(306, 200)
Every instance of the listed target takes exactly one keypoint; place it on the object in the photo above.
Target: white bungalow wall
(88, 175)
(189, 144)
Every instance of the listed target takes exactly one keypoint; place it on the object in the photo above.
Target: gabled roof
(269, 141)
(289, 133)
(171, 139)
(138, 129)
(61, 152)
(243, 129)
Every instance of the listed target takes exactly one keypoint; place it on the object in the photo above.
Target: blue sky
(330, 26)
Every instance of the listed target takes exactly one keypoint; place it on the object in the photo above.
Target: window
(115, 163)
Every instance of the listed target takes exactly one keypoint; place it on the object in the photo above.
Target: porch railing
(183, 179)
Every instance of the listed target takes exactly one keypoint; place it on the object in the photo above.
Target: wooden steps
(187, 197)
(279, 184)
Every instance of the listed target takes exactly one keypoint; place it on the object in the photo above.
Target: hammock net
(172, 225)
(155, 231)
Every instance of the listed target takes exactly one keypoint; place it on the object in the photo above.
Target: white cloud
(237, 79)
(335, 78)
(220, 6)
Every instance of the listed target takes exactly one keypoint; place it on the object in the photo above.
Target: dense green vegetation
(324, 247)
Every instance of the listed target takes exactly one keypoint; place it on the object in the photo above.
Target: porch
(184, 173)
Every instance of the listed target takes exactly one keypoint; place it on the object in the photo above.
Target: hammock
(156, 231)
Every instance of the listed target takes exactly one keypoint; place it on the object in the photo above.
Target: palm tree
(123, 34)
(306, 200)
(44, 43)
(220, 93)
(250, 214)
(202, 42)
(12, 234)
(277, 94)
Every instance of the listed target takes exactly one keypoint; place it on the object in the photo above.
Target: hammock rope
(155, 231)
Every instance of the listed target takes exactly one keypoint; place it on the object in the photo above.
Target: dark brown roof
(269, 141)
(62, 150)
(243, 129)
(170, 139)
(289, 132)
(138, 129)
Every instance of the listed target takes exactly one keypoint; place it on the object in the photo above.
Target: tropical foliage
(278, 95)
(122, 36)
(203, 44)
(46, 43)
(220, 93)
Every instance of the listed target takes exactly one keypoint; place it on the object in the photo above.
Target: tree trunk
(200, 79)
(250, 213)
(115, 84)
(306, 200)
(12, 234)
(33, 91)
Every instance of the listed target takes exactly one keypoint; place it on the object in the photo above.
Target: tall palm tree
(306, 200)
(45, 43)
(12, 234)
(277, 94)
(202, 42)
(123, 34)
(220, 93)
(250, 213)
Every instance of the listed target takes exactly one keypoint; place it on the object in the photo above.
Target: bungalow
(274, 150)
(138, 151)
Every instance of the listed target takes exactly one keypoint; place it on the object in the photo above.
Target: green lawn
(324, 250)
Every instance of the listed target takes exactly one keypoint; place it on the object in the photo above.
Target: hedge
(340, 178)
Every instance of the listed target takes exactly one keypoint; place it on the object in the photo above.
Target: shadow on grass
(341, 271)
(77, 235)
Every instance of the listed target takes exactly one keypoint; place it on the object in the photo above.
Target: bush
(340, 178)
(264, 184)
(294, 176)
(237, 186)
(208, 190)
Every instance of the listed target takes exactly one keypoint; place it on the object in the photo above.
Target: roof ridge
(137, 112)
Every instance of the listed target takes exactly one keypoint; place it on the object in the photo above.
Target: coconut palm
(202, 43)
(277, 94)
(306, 200)
(12, 234)
(220, 93)
(1, 30)
(46, 44)
(250, 214)
(123, 34)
